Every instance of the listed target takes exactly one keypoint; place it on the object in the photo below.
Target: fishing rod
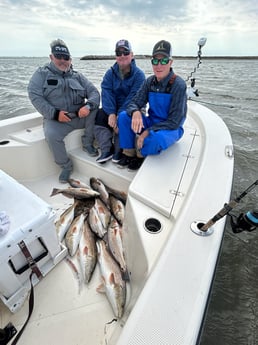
(228, 207)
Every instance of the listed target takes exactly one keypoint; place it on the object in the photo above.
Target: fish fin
(105, 238)
(125, 276)
(112, 278)
(76, 272)
(85, 250)
(54, 191)
(101, 288)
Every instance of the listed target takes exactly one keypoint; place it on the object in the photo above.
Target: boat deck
(171, 269)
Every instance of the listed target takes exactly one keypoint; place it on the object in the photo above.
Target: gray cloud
(95, 25)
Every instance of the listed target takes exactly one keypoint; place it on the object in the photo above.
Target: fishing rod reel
(244, 222)
(192, 91)
(7, 333)
(247, 221)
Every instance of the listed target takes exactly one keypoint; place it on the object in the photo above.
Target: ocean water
(228, 87)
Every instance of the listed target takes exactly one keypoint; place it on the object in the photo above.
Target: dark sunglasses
(62, 56)
(123, 52)
(163, 61)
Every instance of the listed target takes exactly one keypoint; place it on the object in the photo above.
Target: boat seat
(178, 161)
(29, 135)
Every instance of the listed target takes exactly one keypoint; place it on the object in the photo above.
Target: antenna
(202, 42)
(191, 91)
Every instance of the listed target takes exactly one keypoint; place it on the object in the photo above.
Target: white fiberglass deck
(171, 270)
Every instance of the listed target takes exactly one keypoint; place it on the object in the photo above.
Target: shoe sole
(104, 160)
(63, 181)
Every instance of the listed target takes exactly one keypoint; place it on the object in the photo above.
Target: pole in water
(228, 207)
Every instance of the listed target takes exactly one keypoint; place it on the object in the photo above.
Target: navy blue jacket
(117, 92)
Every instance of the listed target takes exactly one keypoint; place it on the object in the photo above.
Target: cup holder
(152, 225)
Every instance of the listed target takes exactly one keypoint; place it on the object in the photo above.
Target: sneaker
(65, 175)
(116, 157)
(91, 150)
(135, 163)
(124, 161)
(104, 157)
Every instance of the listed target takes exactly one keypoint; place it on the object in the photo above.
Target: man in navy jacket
(119, 86)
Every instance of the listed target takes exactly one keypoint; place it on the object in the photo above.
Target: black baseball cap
(60, 49)
(163, 48)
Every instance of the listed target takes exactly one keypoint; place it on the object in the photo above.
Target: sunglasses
(123, 52)
(62, 56)
(163, 61)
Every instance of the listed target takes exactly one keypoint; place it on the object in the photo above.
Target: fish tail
(76, 273)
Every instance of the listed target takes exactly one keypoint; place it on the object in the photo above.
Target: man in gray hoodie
(67, 100)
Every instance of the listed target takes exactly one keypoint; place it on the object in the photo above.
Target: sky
(93, 26)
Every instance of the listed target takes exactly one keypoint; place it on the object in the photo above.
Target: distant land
(112, 57)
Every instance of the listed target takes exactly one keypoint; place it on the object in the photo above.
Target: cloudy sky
(93, 26)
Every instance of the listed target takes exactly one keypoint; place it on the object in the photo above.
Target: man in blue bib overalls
(141, 135)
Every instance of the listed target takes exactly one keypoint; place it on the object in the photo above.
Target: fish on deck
(76, 193)
(117, 208)
(99, 186)
(64, 221)
(115, 243)
(73, 235)
(95, 223)
(112, 284)
(87, 253)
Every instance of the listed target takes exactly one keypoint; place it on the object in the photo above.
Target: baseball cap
(60, 49)
(162, 47)
(124, 44)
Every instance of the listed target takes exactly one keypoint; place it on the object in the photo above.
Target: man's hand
(62, 117)
(137, 124)
(141, 138)
(84, 111)
(112, 122)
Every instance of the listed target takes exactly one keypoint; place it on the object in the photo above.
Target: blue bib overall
(156, 141)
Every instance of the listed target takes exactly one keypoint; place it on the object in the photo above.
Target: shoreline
(112, 57)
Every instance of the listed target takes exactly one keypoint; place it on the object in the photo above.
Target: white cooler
(31, 221)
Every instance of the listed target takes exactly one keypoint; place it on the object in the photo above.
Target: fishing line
(213, 104)
(105, 329)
